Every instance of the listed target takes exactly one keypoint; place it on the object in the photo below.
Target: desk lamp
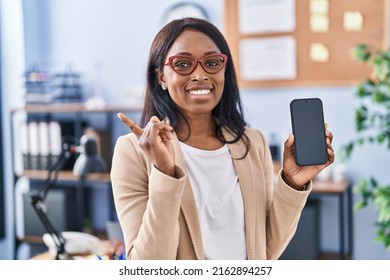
(88, 162)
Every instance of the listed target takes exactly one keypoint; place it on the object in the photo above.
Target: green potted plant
(372, 120)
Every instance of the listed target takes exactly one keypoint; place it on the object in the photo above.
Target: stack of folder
(41, 144)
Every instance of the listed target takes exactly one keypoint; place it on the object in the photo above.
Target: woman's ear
(161, 79)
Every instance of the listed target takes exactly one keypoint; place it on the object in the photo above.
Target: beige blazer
(158, 214)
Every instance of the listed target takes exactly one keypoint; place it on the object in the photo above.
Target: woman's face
(198, 92)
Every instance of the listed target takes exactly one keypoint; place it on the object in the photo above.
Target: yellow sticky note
(353, 21)
(319, 23)
(319, 6)
(319, 53)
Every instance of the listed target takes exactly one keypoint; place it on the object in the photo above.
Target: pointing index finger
(130, 124)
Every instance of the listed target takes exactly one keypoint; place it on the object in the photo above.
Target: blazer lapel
(188, 205)
(245, 176)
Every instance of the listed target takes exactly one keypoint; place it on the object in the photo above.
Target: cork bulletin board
(302, 42)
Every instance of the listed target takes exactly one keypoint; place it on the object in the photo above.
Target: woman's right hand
(156, 141)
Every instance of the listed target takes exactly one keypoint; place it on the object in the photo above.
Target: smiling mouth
(200, 92)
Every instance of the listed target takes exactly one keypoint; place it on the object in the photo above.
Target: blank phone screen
(309, 132)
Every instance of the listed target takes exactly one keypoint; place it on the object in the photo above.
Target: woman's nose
(199, 73)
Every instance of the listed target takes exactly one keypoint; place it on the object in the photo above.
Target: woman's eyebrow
(188, 53)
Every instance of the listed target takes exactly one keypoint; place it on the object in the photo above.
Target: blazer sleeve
(283, 217)
(147, 202)
(284, 206)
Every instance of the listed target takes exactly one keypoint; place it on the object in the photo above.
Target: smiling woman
(192, 181)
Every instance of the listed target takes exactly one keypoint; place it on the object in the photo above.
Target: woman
(195, 182)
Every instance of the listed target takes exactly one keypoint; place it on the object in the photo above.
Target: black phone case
(307, 119)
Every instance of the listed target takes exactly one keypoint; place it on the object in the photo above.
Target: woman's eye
(212, 63)
(183, 64)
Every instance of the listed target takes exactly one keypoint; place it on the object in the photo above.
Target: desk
(50, 256)
(106, 250)
(342, 190)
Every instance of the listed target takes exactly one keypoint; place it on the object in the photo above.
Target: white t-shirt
(219, 201)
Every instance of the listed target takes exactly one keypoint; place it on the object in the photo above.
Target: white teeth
(200, 92)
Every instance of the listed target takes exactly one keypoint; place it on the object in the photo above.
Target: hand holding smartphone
(307, 119)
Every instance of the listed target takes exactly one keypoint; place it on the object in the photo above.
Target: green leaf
(346, 151)
(381, 137)
(360, 141)
(361, 52)
(362, 187)
(373, 182)
(359, 205)
(365, 88)
(360, 117)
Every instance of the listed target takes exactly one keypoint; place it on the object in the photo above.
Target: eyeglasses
(186, 64)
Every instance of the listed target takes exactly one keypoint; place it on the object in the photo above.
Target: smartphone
(307, 119)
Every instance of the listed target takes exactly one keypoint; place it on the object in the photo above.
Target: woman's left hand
(297, 176)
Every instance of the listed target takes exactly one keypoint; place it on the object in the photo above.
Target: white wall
(12, 63)
(114, 34)
(117, 34)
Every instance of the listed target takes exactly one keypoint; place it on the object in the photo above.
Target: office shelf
(67, 176)
(80, 117)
